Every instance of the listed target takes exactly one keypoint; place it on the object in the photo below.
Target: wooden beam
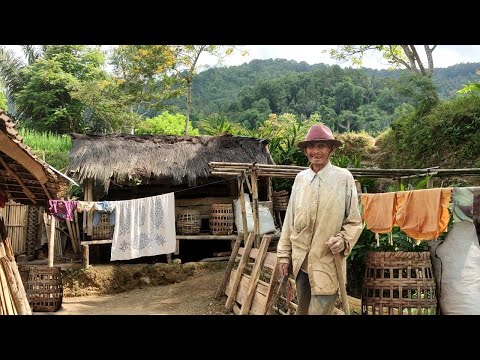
(85, 256)
(12, 173)
(13, 150)
(46, 191)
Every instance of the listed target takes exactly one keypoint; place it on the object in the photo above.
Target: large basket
(280, 200)
(398, 283)
(44, 288)
(103, 230)
(188, 221)
(221, 219)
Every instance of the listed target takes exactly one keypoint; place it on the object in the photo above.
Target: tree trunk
(189, 100)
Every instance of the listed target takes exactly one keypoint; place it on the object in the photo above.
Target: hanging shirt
(379, 211)
(61, 209)
(423, 214)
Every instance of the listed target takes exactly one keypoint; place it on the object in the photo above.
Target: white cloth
(144, 227)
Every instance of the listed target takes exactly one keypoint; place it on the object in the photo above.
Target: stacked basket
(188, 221)
(221, 219)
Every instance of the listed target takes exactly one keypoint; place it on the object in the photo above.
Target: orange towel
(378, 211)
(423, 214)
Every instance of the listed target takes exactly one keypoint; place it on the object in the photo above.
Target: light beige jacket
(321, 205)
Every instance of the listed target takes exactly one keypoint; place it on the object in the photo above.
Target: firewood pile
(13, 298)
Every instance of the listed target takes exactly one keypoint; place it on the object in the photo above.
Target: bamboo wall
(16, 222)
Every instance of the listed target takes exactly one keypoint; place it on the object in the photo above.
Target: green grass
(48, 146)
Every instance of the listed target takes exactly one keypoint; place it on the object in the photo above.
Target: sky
(444, 55)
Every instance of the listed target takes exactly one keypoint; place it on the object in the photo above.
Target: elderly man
(322, 221)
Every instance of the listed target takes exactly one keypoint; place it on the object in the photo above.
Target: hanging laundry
(85, 206)
(62, 209)
(144, 227)
(379, 211)
(104, 207)
(423, 214)
(466, 206)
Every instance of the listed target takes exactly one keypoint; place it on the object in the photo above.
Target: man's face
(318, 154)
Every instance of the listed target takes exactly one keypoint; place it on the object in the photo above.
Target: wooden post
(89, 196)
(228, 270)
(238, 273)
(269, 188)
(242, 206)
(256, 222)
(85, 256)
(252, 286)
(51, 241)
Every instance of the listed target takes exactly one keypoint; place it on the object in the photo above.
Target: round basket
(44, 288)
(188, 221)
(221, 219)
(398, 283)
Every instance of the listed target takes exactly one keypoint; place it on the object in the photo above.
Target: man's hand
(336, 244)
(283, 268)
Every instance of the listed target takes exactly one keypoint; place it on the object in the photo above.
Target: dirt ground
(160, 289)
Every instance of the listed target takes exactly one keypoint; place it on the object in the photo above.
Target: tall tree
(144, 72)
(398, 55)
(187, 65)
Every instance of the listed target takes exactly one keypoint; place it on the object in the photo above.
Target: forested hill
(246, 92)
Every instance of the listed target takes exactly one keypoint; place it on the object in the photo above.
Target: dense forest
(346, 99)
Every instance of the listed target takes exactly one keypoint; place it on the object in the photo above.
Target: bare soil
(138, 289)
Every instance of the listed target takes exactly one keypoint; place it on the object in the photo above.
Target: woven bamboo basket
(188, 221)
(103, 230)
(398, 283)
(280, 200)
(44, 288)
(221, 219)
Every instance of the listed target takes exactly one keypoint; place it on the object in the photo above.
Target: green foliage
(219, 125)
(44, 102)
(50, 147)
(142, 73)
(3, 101)
(107, 107)
(355, 144)
(446, 136)
(166, 124)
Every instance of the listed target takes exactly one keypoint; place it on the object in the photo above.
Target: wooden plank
(242, 207)
(96, 242)
(228, 270)
(255, 275)
(270, 259)
(259, 300)
(203, 201)
(238, 275)
(256, 221)
(206, 237)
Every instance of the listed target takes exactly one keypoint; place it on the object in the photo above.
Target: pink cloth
(61, 209)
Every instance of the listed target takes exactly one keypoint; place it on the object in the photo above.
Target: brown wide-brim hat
(319, 133)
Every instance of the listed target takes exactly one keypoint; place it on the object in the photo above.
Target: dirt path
(193, 296)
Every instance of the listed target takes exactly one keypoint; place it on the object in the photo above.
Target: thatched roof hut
(24, 177)
(120, 160)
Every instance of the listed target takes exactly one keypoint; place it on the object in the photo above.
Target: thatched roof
(154, 158)
(23, 176)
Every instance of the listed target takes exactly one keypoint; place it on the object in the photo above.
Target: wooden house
(122, 167)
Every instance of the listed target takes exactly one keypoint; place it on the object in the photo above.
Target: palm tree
(11, 66)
